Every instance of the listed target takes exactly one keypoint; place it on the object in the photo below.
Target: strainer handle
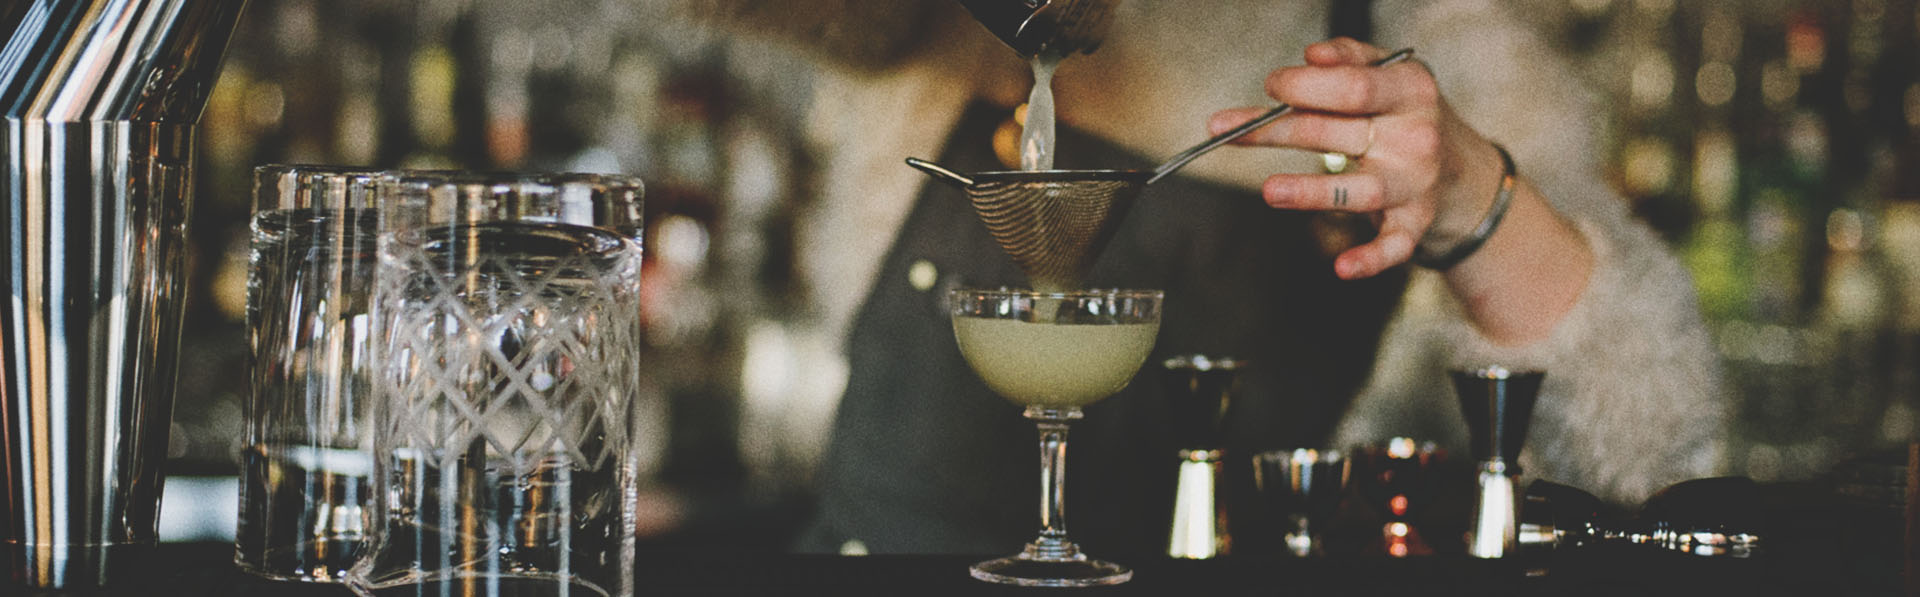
(941, 173)
(1177, 161)
(1221, 139)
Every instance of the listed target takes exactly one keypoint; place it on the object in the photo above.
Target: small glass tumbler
(304, 481)
(507, 333)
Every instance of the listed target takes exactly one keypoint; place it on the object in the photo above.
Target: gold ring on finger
(1335, 162)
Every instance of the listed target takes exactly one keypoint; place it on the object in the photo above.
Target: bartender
(1469, 226)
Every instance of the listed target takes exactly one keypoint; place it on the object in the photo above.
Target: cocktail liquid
(1036, 139)
(1055, 365)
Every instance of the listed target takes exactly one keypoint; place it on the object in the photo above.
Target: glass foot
(1029, 571)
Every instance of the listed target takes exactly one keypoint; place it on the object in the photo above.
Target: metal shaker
(1060, 27)
(100, 100)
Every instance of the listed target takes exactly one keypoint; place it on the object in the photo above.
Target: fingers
(1337, 95)
(1393, 246)
(1400, 226)
(1343, 50)
(1313, 131)
(1337, 79)
(1358, 192)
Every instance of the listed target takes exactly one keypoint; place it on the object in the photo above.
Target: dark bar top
(207, 569)
(1844, 535)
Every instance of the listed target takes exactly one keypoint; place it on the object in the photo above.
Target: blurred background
(1774, 143)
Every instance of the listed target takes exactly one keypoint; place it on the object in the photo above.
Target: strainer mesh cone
(1054, 229)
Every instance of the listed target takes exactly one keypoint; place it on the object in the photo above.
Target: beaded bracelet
(1444, 260)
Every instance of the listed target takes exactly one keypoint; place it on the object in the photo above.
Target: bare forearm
(1527, 276)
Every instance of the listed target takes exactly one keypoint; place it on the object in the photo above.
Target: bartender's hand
(1421, 172)
(1416, 165)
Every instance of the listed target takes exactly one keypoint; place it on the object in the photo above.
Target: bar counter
(1833, 537)
(207, 569)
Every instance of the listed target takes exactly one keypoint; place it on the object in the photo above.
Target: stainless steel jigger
(1498, 404)
(1198, 388)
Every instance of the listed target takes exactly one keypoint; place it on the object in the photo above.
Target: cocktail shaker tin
(100, 100)
(1056, 26)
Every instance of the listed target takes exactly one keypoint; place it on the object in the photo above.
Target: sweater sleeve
(1633, 399)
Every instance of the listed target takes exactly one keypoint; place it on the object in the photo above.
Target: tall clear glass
(1054, 352)
(305, 471)
(508, 332)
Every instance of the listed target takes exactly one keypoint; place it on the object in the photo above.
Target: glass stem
(1053, 543)
(1053, 480)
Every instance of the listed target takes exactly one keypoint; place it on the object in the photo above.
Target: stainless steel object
(100, 100)
(1054, 223)
(1054, 26)
(1199, 529)
(1303, 488)
(1180, 160)
(1498, 404)
(1554, 515)
(1713, 517)
(1199, 393)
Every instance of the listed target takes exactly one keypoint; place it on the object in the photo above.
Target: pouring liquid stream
(1037, 137)
(1037, 142)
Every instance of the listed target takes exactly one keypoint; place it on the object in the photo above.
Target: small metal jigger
(1712, 517)
(1197, 391)
(1498, 404)
(1303, 487)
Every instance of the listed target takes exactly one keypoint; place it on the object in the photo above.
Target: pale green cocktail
(1054, 352)
(1053, 364)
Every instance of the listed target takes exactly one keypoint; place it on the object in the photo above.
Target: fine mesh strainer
(1053, 223)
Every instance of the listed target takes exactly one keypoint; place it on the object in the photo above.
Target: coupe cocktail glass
(1054, 352)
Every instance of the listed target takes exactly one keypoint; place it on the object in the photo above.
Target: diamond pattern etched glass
(508, 328)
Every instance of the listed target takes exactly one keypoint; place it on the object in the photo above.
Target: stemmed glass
(1054, 352)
